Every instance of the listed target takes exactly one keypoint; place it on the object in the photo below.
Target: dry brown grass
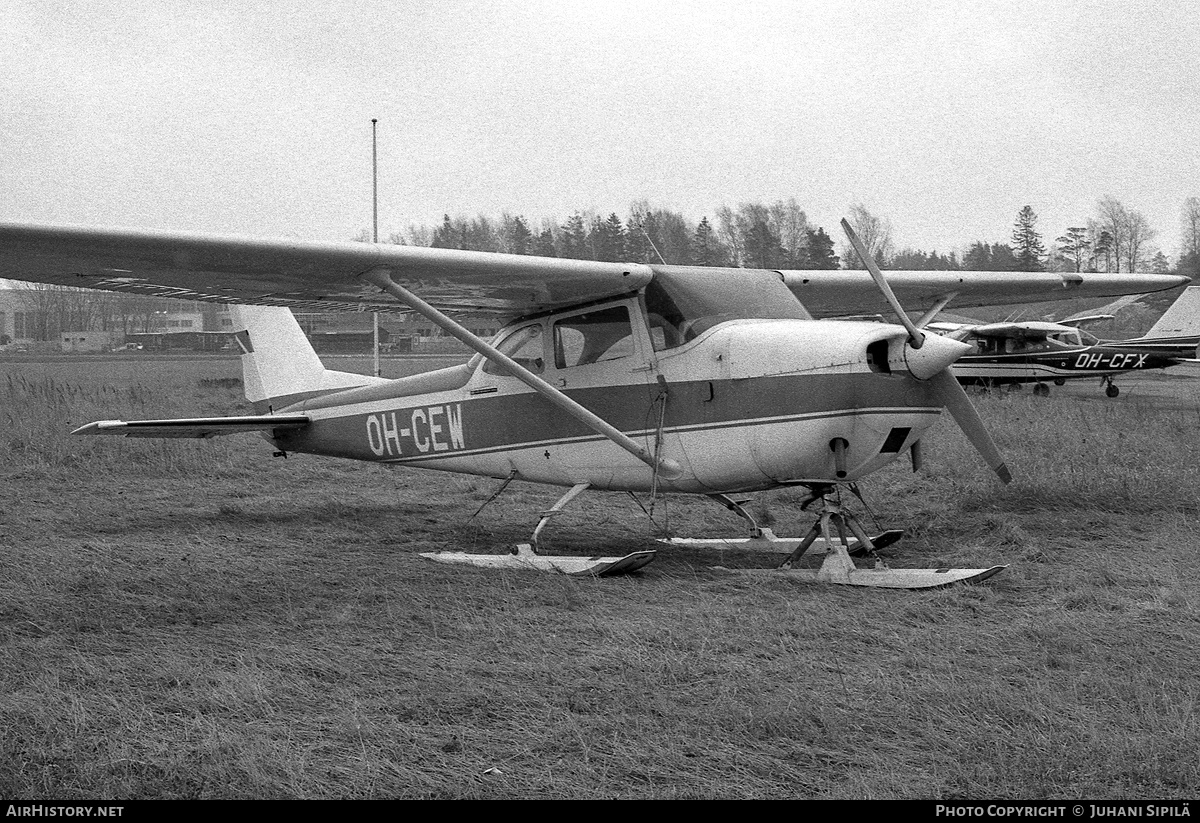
(201, 620)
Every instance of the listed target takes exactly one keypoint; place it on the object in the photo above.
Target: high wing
(1080, 322)
(1029, 330)
(1106, 312)
(327, 276)
(948, 328)
(295, 273)
(827, 293)
(196, 427)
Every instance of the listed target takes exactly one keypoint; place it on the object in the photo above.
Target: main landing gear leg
(838, 566)
(527, 556)
(764, 540)
(839, 561)
(531, 547)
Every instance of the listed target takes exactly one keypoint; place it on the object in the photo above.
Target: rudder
(1181, 318)
(279, 365)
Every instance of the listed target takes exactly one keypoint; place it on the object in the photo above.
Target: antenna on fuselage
(646, 234)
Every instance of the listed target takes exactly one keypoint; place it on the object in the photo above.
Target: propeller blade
(955, 399)
(915, 338)
(949, 392)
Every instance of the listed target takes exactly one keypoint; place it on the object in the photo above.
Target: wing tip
(100, 427)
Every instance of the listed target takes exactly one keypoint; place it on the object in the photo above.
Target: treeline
(43, 311)
(1117, 239)
(755, 235)
(780, 236)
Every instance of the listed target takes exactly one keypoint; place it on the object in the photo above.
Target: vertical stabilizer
(1182, 318)
(279, 365)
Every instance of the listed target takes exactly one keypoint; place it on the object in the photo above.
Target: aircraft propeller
(949, 392)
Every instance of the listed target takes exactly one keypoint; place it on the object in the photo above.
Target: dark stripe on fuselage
(1088, 361)
(413, 428)
(749, 424)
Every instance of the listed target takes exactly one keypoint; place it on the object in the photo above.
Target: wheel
(1041, 390)
(1112, 391)
(1060, 381)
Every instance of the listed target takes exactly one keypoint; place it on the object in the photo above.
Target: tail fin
(279, 365)
(1182, 318)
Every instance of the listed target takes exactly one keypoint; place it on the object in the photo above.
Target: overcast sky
(945, 118)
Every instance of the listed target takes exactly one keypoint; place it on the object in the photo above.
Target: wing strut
(382, 278)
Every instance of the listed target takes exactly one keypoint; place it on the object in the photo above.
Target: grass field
(199, 619)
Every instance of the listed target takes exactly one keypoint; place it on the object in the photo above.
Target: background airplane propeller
(949, 392)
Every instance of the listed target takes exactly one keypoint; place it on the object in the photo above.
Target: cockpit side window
(1067, 339)
(604, 334)
(524, 346)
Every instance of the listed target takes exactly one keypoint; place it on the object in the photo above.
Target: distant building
(47, 316)
(87, 341)
(76, 318)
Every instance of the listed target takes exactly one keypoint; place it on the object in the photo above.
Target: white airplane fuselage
(744, 405)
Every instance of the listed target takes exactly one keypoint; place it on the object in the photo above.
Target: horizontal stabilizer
(202, 427)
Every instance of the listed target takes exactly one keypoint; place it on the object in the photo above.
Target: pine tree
(608, 238)
(820, 251)
(574, 238)
(1004, 258)
(1027, 243)
(978, 257)
(544, 247)
(705, 249)
(520, 239)
(446, 236)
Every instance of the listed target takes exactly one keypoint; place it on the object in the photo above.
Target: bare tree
(792, 227)
(727, 231)
(1113, 220)
(1191, 227)
(1138, 235)
(1073, 247)
(875, 234)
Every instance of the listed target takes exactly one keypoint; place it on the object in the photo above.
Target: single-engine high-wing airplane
(616, 376)
(1041, 352)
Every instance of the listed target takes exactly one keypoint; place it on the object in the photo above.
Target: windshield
(682, 305)
(524, 346)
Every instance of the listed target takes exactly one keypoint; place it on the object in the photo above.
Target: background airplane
(617, 376)
(1043, 352)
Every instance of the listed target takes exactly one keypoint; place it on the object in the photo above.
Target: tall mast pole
(375, 230)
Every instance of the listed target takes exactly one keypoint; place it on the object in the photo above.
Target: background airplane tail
(279, 365)
(1181, 319)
